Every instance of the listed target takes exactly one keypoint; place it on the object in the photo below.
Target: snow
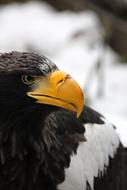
(74, 41)
(113, 104)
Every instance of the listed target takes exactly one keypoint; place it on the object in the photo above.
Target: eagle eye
(28, 79)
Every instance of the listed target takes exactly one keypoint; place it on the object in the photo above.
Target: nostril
(60, 81)
(63, 79)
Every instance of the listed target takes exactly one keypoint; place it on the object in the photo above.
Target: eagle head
(27, 78)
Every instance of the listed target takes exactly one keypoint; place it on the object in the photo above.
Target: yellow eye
(28, 79)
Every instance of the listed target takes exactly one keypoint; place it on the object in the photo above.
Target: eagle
(50, 140)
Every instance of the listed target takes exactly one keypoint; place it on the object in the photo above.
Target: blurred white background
(75, 42)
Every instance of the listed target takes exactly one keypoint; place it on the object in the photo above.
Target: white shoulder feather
(92, 157)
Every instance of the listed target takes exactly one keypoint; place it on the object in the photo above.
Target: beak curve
(59, 89)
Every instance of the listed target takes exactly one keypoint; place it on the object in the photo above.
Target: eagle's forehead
(25, 62)
(47, 66)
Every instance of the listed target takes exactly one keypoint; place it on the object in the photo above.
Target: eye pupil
(28, 79)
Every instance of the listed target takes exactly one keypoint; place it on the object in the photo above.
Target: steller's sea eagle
(48, 139)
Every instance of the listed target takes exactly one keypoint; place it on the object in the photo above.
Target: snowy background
(74, 41)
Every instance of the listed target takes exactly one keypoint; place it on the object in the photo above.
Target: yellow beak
(59, 89)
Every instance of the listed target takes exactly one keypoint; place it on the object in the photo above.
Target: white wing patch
(92, 157)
